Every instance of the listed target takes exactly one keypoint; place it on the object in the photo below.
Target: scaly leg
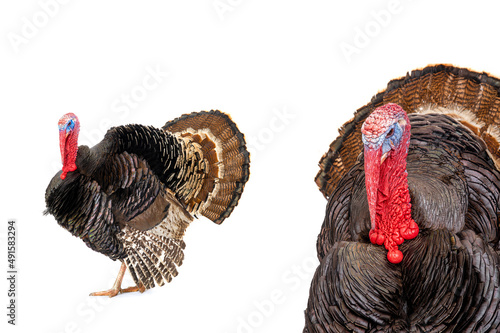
(117, 286)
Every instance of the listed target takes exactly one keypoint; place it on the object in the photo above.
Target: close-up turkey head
(386, 138)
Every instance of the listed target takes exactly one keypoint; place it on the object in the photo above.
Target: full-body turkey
(410, 240)
(132, 196)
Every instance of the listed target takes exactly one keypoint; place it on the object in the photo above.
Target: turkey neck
(389, 197)
(393, 196)
(68, 144)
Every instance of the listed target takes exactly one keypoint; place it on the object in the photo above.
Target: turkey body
(133, 195)
(449, 277)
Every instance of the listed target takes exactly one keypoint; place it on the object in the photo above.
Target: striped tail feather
(470, 97)
(151, 258)
(217, 163)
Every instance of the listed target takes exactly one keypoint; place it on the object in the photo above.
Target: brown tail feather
(470, 97)
(151, 258)
(220, 163)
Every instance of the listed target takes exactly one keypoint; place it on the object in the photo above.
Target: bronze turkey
(410, 240)
(132, 196)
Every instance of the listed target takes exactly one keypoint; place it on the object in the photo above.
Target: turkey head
(386, 138)
(69, 128)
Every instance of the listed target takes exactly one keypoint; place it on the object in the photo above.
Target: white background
(289, 73)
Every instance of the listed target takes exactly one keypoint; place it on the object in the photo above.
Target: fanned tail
(470, 97)
(216, 163)
(151, 258)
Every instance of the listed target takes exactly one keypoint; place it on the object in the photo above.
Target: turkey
(411, 241)
(132, 196)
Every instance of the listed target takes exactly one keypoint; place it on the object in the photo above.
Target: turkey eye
(391, 132)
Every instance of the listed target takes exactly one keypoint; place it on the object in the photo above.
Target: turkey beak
(384, 156)
(373, 160)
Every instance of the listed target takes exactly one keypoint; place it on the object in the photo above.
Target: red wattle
(376, 237)
(410, 231)
(395, 256)
(66, 169)
(396, 237)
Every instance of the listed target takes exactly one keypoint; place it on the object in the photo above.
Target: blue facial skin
(389, 140)
(392, 141)
(69, 126)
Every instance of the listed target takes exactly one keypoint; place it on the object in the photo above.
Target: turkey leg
(117, 286)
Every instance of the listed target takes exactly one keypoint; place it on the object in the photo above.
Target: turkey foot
(117, 289)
